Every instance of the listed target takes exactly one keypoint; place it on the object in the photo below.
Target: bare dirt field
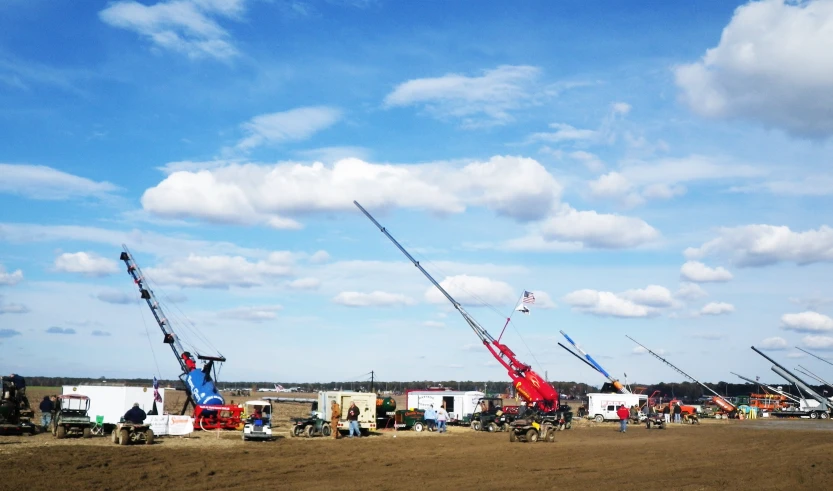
(759, 454)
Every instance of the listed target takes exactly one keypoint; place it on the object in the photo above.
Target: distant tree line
(687, 391)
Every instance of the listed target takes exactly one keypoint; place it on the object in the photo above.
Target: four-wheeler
(71, 417)
(534, 426)
(15, 414)
(126, 432)
(258, 424)
(312, 425)
(655, 420)
(530, 386)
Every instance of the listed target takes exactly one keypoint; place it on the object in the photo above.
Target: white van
(602, 407)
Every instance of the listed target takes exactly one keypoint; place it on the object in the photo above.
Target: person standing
(353, 419)
(678, 410)
(45, 407)
(623, 414)
(335, 417)
(430, 418)
(666, 414)
(442, 418)
(20, 389)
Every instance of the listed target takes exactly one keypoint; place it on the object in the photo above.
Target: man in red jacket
(623, 414)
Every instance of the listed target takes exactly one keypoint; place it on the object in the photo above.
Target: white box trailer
(111, 402)
(365, 401)
(458, 404)
(603, 406)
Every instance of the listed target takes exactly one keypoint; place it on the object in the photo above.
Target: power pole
(371, 381)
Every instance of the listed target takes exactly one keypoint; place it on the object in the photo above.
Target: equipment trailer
(820, 411)
(540, 396)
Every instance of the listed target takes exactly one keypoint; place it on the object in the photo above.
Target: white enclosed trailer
(603, 406)
(111, 402)
(458, 404)
(365, 401)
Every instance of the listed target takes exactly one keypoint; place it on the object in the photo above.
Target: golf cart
(258, 423)
(126, 432)
(71, 418)
(312, 425)
(491, 415)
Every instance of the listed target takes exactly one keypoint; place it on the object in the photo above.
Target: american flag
(528, 297)
(156, 395)
(757, 378)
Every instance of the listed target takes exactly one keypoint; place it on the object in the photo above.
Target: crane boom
(593, 363)
(791, 377)
(718, 399)
(807, 372)
(528, 384)
(815, 356)
(773, 389)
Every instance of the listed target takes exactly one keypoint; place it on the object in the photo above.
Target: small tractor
(71, 418)
(312, 425)
(127, 432)
(258, 424)
(15, 414)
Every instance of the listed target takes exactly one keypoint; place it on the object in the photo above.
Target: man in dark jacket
(678, 410)
(135, 415)
(353, 419)
(623, 414)
(19, 389)
(46, 407)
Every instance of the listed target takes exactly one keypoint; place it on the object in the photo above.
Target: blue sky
(660, 171)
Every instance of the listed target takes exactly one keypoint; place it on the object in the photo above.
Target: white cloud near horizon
(698, 272)
(473, 291)
(476, 101)
(774, 344)
(823, 343)
(717, 308)
(779, 47)
(223, 271)
(85, 263)
(520, 188)
(764, 245)
(597, 230)
(629, 304)
(251, 314)
(189, 27)
(45, 183)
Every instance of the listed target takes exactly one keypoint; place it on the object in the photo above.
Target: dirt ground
(759, 454)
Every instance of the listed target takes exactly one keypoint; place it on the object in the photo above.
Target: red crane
(528, 384)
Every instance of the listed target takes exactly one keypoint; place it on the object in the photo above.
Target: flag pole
(510, 316)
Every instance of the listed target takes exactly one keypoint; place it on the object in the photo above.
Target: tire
(297, 430)
(309, 430)
(824, 415)
(491, 427)
(325, 430)
(476, 426)
(61, 432)
(531, 436)
(551, 436)
(568, 425)
(149, 437)
(512, 437)
(124, 437)
(814, 415)
(87, 433)
(662, 426)
(648, 424)
(419, 426)
(599, 418)
(114, 436)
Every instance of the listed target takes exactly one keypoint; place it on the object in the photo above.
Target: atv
(534, 427)
(655, 420)
(492, 415)
(125, 433)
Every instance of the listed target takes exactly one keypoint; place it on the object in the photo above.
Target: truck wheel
(325, 430)
(149, 437)
(124, 437)
(512, 437)
(491, 427)
(87, 433)
(61, 432)
(814, 415)
(824, 415)
(308, 430)
(475, 425)
(599, 418)
(532, 436)
(114, 436)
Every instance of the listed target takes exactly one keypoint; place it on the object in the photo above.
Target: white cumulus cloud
(372, 299)
(606, 304)
(473, 291)
(85, 263)
(293, 125)
(597, 230)
(781, 49)
(516, 187)
(700, 273)
(824, 343)
(763, 245)
(652, 296)
(690, 291)
(222, 271)
(809, 322)
(305, 284)
(251, 314)
(10, 278)
(717, 308)
(774, 344)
